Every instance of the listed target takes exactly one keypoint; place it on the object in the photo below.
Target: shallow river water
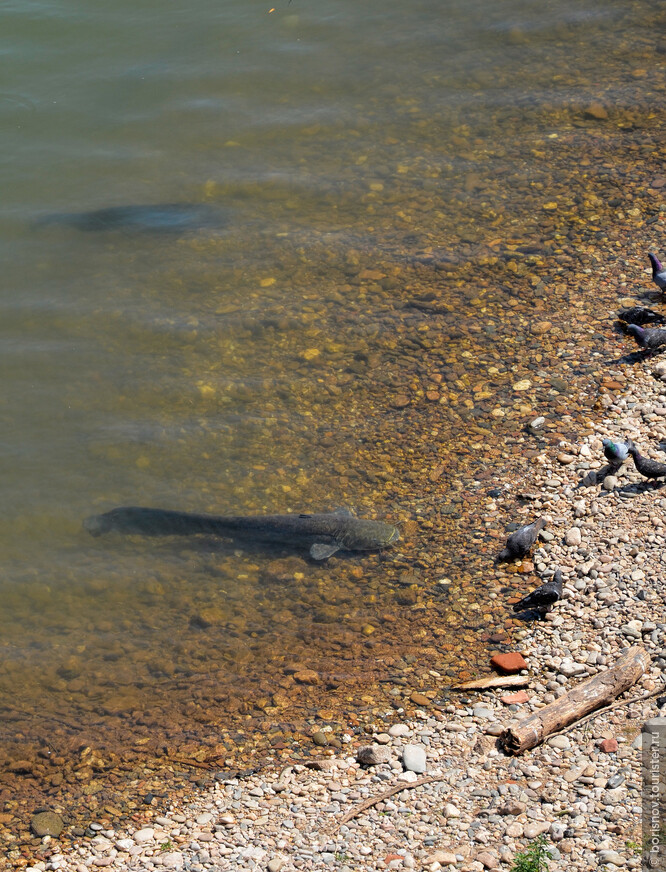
(415, 203)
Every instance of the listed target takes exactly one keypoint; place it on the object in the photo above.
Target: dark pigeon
(616, 452)
(520, 542)
(170, 218)
(640, 315)
(648, 468)
(544, 597)
(647, 337)
(658, 272)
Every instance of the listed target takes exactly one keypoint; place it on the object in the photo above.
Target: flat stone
(560, 742)
(373, 755)
(144, 835)
(534, 829)
(47, 823)
(397, 730)
(172, 860)
(444, 858)
(307, 676)
(275, 864)
(517, 698)
(489, 860)
(632, 629)
(483, 712)
(512, 807)
(419, 698)
(511, 662)
(569, 668)
(613, 857)
(414, 758)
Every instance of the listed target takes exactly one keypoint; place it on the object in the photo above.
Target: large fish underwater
(156, 218)
(324, 533)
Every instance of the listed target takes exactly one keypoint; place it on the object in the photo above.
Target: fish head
(394, 535)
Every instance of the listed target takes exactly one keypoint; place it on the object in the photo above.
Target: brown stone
(515, 698)
(608, 745)
(511, 662)
(307, 676)
(596, 110)
(419, 698)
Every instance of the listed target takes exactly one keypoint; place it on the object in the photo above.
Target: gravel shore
(465, 804)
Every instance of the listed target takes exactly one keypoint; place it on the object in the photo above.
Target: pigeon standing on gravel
(616, 452)
(520, 542)
(544, 597)
(658, 272)
(647, 337)
(648, 468)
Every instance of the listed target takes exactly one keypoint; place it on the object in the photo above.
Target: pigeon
(616, 452)
(647, 337)
(658, 272)
(520, 542)
(640, 315)
(648, 468)
(543, 597)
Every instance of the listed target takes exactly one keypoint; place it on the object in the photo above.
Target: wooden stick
(405, 785)
(578, 702)
(494, 681)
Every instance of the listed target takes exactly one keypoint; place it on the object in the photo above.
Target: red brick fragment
(608, 745)
(511, 662)
(515, 698)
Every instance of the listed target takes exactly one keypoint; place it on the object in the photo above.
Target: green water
(389, 172)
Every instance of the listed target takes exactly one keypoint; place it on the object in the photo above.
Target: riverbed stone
(47, 823)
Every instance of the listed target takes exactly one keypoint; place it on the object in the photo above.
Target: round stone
(47, 823)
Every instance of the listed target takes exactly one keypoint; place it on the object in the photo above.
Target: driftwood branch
(578, 702)
(494, 681)
(404, 785)
(609, 708)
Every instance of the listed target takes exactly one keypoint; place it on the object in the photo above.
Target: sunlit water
(386, 172)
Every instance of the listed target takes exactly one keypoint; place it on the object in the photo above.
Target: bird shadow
(635, 489)
(529, 615)
(595, 476)
(636, 356)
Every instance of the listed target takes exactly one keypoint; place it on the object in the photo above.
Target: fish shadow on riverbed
(173, 219)
(212, 546)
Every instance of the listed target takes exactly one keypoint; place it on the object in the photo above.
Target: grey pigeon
(520, 542)
(543, 597)
(647, 337)
(640, 315)
(616, 452)
(658, 272)
(648, 468)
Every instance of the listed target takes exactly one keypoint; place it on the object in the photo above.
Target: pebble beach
(444, 794)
